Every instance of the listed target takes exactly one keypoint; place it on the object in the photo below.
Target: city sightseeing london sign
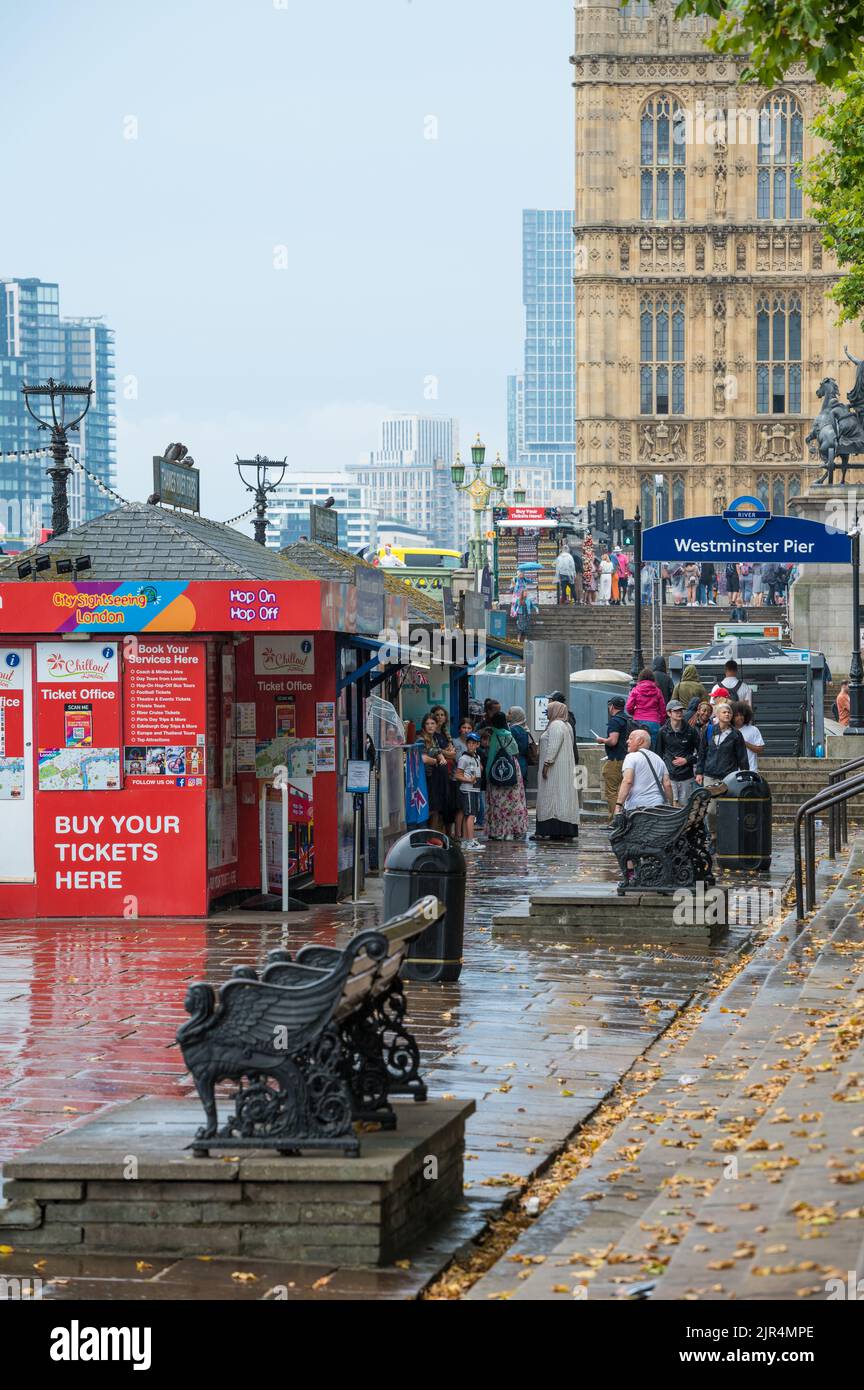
(747, 530)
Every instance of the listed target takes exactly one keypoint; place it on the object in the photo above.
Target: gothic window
(794, 488)
(779, 159)
(679, 498)
(662, 151)
(778, 496)
(778, 355)
(661, 355)
(762, 489)
(636, 9)
(661, 492)
(646, 493)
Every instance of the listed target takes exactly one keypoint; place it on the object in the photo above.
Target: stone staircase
(792, 781)
(610, 630)
(734, 1171)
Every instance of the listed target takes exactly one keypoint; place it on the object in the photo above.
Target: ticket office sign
(78, 716)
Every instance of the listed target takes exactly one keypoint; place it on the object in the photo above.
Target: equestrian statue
(838, 430)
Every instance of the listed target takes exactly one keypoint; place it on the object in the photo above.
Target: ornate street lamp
(480, 491)
(58, 392)
(261, 487)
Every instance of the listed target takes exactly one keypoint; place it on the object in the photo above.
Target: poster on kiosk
(119, 790)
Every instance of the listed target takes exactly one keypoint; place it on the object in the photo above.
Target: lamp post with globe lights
(481, 493)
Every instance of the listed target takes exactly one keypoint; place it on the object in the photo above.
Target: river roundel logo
(747, 516)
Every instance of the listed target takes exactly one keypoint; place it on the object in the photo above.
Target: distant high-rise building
(288, 509)
(541, 426)
(407, 478)
(36, 343)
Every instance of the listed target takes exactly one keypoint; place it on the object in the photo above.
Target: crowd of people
(665, 740)
(606, 579)
(476, 781)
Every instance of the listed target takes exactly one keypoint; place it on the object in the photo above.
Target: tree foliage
(835, 185)
(825, 34)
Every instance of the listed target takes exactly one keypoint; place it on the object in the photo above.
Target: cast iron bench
(381, 1056)
(307, 1032)
(665, 847)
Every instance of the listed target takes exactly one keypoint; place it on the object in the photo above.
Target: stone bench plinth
(577, 914)
(126, 1184)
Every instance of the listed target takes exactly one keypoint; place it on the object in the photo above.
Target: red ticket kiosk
(138, 724)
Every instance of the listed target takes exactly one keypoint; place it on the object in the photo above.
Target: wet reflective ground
(537, 1035)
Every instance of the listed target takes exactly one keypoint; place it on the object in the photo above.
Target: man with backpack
(618, 731)
(731, 687)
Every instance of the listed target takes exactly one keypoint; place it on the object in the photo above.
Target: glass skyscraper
(541, 400)
(35, 343)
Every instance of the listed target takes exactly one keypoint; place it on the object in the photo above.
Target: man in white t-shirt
(645, 777)
(731, 687)
(753, 740)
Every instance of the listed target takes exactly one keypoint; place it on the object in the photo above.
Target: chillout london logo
(284, 655)
(10, 673)
(60, 667)
(747, 516)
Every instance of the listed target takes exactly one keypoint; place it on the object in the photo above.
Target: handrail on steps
(838, 792)
(838, 828)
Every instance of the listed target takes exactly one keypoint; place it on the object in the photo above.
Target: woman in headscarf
(557, 796)
(506, 807)
(517, 720)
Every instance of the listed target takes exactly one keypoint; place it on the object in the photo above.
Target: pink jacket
(646, 701)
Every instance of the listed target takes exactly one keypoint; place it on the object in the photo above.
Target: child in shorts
(467, 774)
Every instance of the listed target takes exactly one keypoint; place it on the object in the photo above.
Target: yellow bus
(413, 557)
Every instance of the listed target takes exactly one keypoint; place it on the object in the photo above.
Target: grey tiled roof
(139, 541)
(326, 562)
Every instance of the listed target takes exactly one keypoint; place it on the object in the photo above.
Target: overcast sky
(282, 251)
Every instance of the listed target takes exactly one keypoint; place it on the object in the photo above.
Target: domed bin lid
(426, 851)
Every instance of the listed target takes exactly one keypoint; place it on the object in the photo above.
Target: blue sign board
(747, 531)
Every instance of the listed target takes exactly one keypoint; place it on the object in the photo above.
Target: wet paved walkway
(537, 1035)
(736, 1169)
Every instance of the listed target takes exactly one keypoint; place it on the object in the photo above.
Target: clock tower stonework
(701, 321)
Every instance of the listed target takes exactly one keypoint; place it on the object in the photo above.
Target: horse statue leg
(844, 464)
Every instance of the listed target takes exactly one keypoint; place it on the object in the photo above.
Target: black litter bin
(427, 861)
(743, 830)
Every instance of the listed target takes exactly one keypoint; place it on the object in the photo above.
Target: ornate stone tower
(702, 330)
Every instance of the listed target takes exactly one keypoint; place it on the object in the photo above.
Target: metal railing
(838, 827)
(832, 799)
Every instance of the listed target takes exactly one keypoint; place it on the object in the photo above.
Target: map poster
(79, 769)
(11, 779)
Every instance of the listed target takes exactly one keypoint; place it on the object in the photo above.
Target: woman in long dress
(557, 796)
(589, 580)
(605, 580)
(506, 807)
